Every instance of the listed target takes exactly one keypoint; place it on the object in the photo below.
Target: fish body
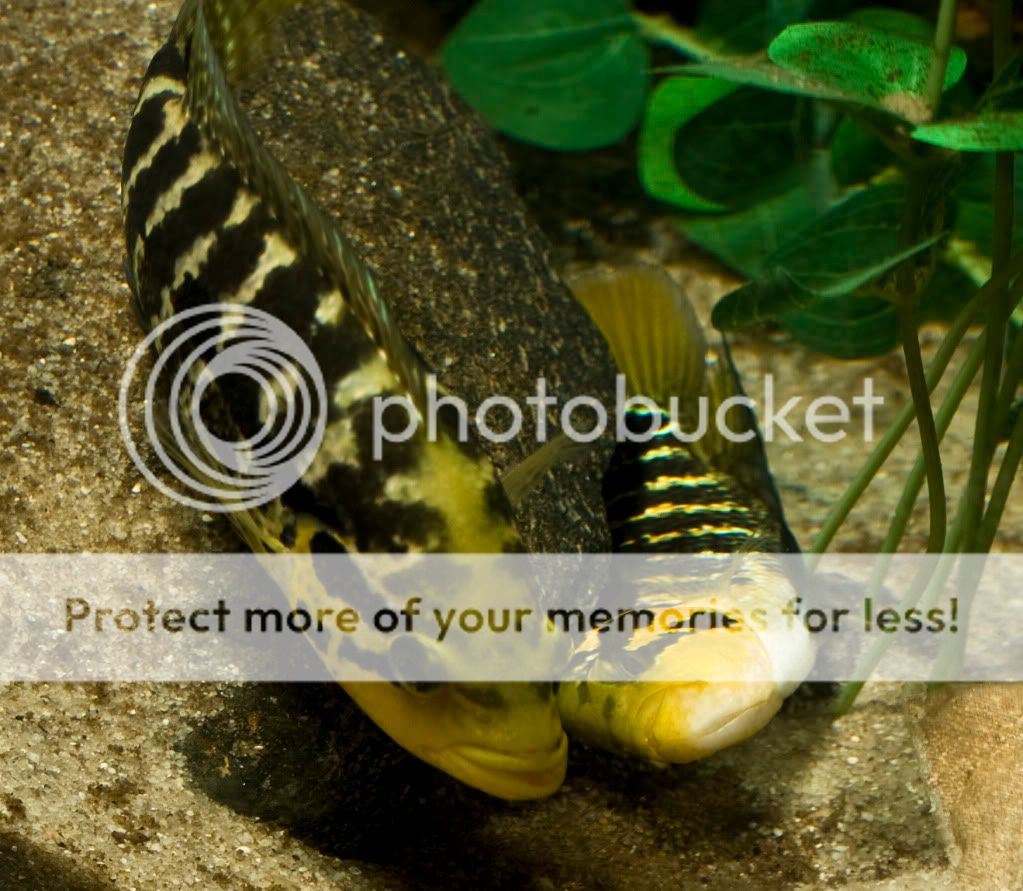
(694, 494)
(212, 218)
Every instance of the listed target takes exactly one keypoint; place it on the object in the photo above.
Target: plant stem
(925, 423)
(1003, 484)
(887, 443)
(868, 662)
(999, 307)
(946, 412)
(664, 30)
(944, 31)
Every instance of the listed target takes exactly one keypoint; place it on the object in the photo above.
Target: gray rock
(418, 183)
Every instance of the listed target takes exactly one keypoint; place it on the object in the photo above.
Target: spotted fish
(211, 217)
(667, 496)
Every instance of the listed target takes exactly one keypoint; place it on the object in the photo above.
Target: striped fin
(239, 29)
(745, 462)
(650, 326)
(216, 111)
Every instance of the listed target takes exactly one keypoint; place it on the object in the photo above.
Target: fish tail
(651, 327)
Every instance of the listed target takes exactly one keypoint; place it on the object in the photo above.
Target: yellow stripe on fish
(210, 216)
(708, 496)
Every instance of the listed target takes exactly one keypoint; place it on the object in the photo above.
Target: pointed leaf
(759, 71)
(846, 328)
(854, 243)
(763, 300)
(989, 131)
(744, 240)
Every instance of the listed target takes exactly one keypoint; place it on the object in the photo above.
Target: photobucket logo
(199, 348)
(823, 418)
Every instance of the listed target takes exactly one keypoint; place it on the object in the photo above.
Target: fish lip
(511, 775)
(708, 736)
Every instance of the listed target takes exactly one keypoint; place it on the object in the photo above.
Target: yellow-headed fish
(664, 495)
(211, 217)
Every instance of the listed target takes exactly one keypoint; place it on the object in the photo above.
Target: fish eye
(409, 657)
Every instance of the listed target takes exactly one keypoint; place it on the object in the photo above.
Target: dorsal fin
(649, 324)
(239, 30)
(746, 461)
(215, 110)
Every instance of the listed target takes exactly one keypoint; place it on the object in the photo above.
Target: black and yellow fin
(745, 461)
(521, 479)
(225, 36)
(651, 327)
(241, 31)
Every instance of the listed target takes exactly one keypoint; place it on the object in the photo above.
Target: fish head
(505, 739)
(707, 688)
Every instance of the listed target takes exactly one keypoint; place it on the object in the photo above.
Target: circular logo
(199, 348)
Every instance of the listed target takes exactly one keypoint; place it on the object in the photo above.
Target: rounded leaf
(571, 75)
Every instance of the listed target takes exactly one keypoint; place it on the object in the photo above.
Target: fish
(665, 496)
(212, 219)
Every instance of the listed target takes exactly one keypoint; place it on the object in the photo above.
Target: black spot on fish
(169, 165)
(583, 693)
(325, 543)
(236, 252)
(288, 533)
(301, 499)
(340, 350)
(291, 294)
(495, 501)
(168, 62)
(204, 207)
(608, 709)
(395, 457)
(381, 524)
(146, 125)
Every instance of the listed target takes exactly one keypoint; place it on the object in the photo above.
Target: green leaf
(743, 148)
(854, 243)
(850, 246)
(997, 124)
(758, 71)
(989, 131)
(885, 70)
(845, 327)
(770, 297)
(571, 75)
(857, 155)
(745, 240)
(672, 102)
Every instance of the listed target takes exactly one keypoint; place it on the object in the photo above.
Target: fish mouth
(681, 726)
(515, 776)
